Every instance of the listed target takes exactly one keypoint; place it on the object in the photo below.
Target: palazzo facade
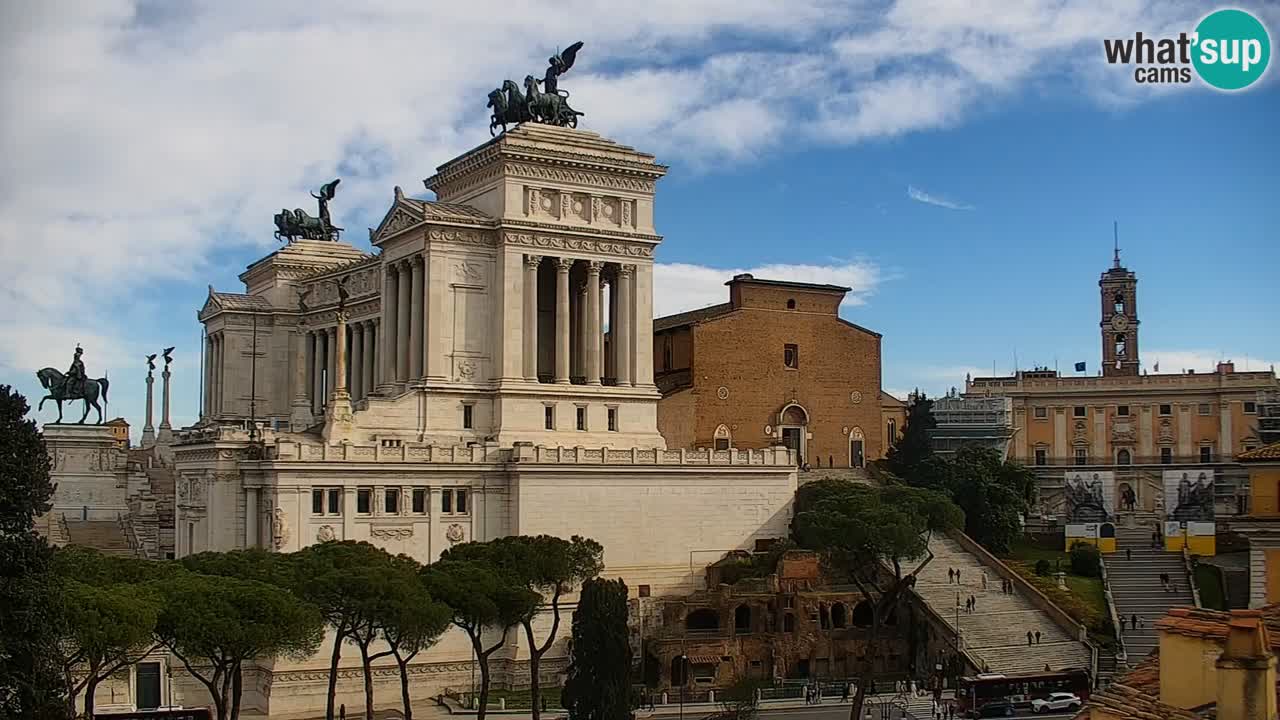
(457, 385)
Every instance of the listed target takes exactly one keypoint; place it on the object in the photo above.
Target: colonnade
(319, 360)
(580, 318)
(214, 372)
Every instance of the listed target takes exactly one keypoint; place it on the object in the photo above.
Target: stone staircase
(1136, 589)
(996, 633)
(105, 536)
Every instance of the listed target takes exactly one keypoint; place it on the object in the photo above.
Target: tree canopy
(107, 628)
(913, 447)
(599, 683)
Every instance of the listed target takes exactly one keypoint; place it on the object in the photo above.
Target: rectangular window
(549, 417)
(460, 501)
(1082, 456)
(335, 501)
(722, 443)
(1041, 413)
(1080, 411)
(1166, 456)
(391, 502)
(364, 501)
(1042, 456)
(613, 419)
(1122, 410)
(1250, 407)
(1206, 454)
(446, 502)
(419, 501)
(791, 356)
(467, 420)
(644, 591)
(1166, 409)
(317, 502)
(1205, 409)
(582, 418)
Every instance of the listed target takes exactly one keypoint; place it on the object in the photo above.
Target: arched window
(723, 438)
(837, 615)
(862, 614)
(1122, 344)
(1119, 302)
(1123, 457)
(742, 619)
(703, 619)
(791, 303)
(679, 670)
(893, 431)
(794, 415)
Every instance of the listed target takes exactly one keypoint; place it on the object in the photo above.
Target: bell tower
(1119, 321)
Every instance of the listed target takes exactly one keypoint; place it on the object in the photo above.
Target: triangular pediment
(211, 305)
(400, 217)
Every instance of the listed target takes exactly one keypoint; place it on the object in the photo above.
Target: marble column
(562, 319)
(337, 418)
(205, 410)
(166, 430)
(357, 361)
(621, 334)
(599, 329)
(318, 340)
(370, 356)
(300, 415)
(331, 356)
(402, 322)
(218, 348)
(309, 368)
(149, 431)
(415, 319)
(340, 357)
(578, 361)
(390, 307)
(593, 322)
(251, 514)
(530, 348)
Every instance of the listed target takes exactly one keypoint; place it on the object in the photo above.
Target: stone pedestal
(89, 472)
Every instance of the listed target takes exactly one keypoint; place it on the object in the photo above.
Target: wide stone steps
(1136, 589)
(996, 633)
(105, 536)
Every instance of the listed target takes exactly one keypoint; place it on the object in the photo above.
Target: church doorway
(857, 449)
(793, 438)
(794, 422)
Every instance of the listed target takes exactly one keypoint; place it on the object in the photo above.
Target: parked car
(1057, 701)
(995, 708)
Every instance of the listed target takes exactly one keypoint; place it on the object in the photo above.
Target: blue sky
(959, 164)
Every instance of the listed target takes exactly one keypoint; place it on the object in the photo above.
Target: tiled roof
(1194, 622)
(433, 210)
(240, 301)
(1122, 701)
(1266, 452)
(1145, 676)
(690, 317)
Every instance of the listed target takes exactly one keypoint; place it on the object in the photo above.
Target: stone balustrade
(395, 451)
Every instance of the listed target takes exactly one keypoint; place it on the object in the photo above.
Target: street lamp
(684, 680)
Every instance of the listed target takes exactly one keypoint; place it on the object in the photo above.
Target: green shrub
(1042, 567)
(1085, 559)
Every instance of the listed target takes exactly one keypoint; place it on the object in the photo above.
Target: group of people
(970, 605)
(944, 710)
(1033, 635)
(1135, 622)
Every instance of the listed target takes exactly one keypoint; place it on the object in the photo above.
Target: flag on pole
(1156, 367)
(1079, 367)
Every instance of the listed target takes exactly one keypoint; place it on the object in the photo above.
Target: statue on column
(168, 357)
(74, 385)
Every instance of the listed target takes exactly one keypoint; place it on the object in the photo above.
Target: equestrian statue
(548, 105)
(294, 224)
(75, 385)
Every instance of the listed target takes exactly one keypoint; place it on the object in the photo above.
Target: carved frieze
(455, 533)
(392, 533)
(580, 177)
(326, 533)
(566, 243)
(469, 272)
(401, 220)
(463, 237)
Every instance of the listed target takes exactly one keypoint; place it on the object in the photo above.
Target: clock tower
(1119, 290)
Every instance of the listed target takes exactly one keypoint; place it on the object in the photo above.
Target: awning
(704, 659)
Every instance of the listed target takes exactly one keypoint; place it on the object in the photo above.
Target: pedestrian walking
(1029, 636)
(951, 575)
(1037, 637)
(957, 576)
(984, 579)
(1133, 622)
(1155, 539)
(973, 603)
(1122, 623)
(1128, 553)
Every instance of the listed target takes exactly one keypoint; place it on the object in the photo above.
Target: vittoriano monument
(294, 224)
(75, 385)
(548, 105)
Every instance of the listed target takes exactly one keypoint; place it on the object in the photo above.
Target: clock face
(1119, 322)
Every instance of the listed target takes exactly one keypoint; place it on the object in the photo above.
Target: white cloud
(678, 287)
(1177, 361)
(919, 195)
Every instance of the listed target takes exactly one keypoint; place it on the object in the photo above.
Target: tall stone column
(578, 356)
(415, 318)
(593, 322)
(165, 436)
(370, 355)
(357, 360)
(599, 329)
(530, 348)
(390, 320)
(318, 363)
(402, 323)
(338, 426)
(216, 376)
(205, 406)
(251, 515)
(149, 432)
(621, 334)
(562, 319)
(303, 353)
(331, 369)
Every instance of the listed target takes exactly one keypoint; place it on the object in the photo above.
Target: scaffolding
(1268, 409)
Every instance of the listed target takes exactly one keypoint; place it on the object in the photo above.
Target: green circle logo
(1231, 49)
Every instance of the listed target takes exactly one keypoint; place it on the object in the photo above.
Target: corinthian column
(317, 364)
(370, 355)
(402, 323)
(303, 356)
(390, 320)
(415, 319)
(530, 350)
(562, 319)
(357, 361)
(593, 333)
(337, 426)
(622, 333)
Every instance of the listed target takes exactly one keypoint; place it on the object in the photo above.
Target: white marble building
(467, 390)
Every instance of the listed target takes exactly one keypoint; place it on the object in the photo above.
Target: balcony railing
(1109, 462)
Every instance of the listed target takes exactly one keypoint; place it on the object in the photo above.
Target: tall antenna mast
(1115, 232)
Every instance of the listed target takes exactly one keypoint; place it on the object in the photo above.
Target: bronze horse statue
(52, 380)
